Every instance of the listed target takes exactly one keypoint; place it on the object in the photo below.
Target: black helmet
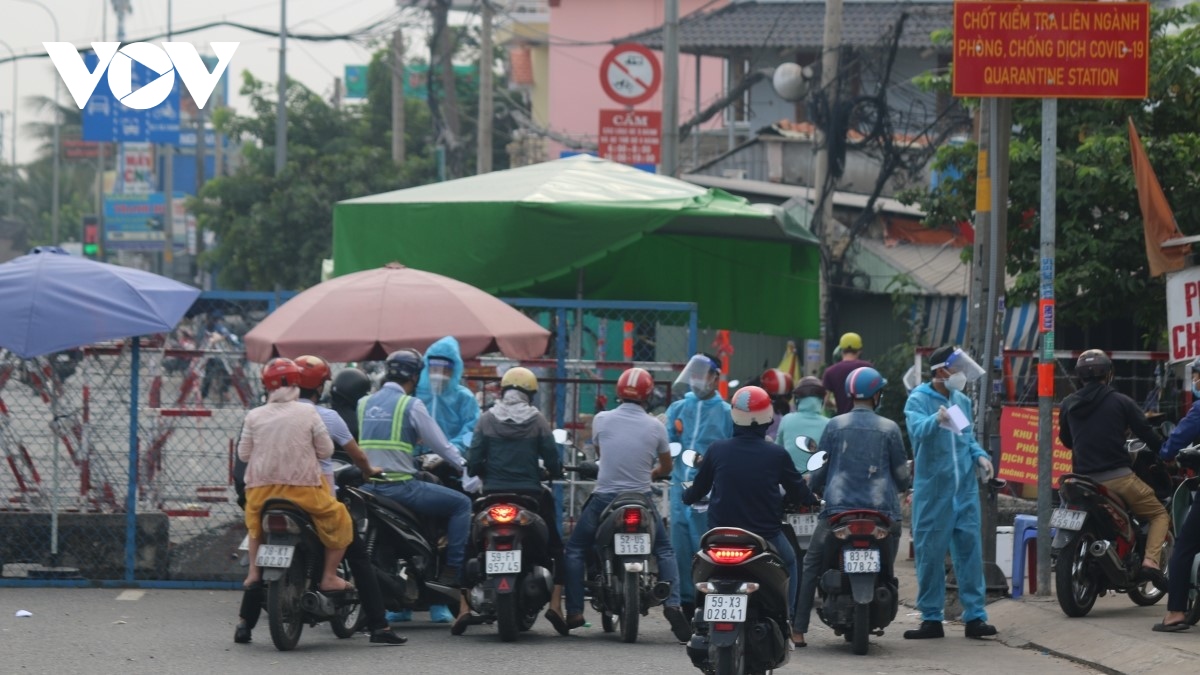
(1093, 365)
(404, 365)
(809, 386)
(349, 385)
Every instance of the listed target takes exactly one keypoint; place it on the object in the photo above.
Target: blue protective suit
(455, 410)
(695, 424)
(945, 513)
(808, 420)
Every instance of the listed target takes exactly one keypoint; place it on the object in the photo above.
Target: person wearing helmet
(510, 439)
(1092, 422)
(392, 422)
(349, 386)
(808, 421)
(834, 378)
(945, 498)
(695, 421)
(745, 474)
(281, 443)
(455, 410)
(1187, 539)
(314, 373)
(778, 385)
(630, 443)
(867, 468)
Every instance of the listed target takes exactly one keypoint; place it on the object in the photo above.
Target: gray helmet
(1093, 365)
(809, 386)
(404, 365)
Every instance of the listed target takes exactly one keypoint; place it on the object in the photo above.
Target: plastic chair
(1025, 533)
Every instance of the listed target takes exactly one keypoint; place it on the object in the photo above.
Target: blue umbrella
(53, 301)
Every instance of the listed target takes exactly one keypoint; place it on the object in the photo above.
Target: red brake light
(730, 555)
(861, 527)
(723, 627)
(632, 519)
(503, 513)
(277, 523)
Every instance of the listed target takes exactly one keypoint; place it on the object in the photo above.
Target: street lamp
(57, 124)
(12, 185)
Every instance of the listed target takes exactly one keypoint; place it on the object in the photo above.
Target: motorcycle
(621, 569)
(857, 595)
(1099, 544)
(1183, 499)
(742, 626)
(801, 520)
(292, 558)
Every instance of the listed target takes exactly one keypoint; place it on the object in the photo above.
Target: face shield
(961, 362)
(699, 376)
(440, 372)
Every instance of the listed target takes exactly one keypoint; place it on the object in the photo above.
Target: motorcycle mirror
(690, 458)
(560, 436)
(733, 384)
(806, 444)
(676, 448)
(817, 460)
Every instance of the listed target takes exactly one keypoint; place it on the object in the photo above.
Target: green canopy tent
(611, 231)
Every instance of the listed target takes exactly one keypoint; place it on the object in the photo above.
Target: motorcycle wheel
(506, 617)
(631, 607)
(351, 618)
(607, 622)
(729, 660)
(529, 619)
(1146, 594)
(283, 606)
(1073, 584)
(862, 629)
(1192, 615)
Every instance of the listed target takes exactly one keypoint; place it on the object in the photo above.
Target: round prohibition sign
(630, 74)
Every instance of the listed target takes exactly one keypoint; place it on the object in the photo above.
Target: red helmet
(751, 405)
(635, 385)
(280, 373)
(314, 372)
(776, 382)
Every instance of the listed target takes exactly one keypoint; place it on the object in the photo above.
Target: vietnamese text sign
(1183, 314)
(1019, 447)
(631, 136)
(135, 222)
(1051, 49)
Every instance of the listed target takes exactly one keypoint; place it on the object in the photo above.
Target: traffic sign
(630, 74)
(631, 136)
(106, 119)
(1051, 49)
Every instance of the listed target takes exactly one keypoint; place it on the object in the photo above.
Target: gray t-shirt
(630, 442)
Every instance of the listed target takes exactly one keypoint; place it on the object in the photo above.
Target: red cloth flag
(1157, 217)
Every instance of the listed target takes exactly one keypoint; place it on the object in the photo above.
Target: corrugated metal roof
(744, 186)
(936, 270)
(775, 25)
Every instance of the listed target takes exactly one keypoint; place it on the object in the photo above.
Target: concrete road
(170, 631)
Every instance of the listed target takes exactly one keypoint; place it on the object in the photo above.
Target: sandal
(1177, 627)
(557, 621)
(348, 588)
(461, 624)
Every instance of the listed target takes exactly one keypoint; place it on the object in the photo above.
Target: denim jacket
(868, 467)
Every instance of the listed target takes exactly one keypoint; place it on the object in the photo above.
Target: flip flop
(348, 588)
(1177, 627)
(557, 621)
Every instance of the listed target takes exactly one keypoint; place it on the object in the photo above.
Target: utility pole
(670, 116)
(822, 185)
(281, 104)
(483, 153)
(451, 127)
(1048, 216)
(397, 64)
(168, 152)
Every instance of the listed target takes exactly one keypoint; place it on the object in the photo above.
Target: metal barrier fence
(162, 414)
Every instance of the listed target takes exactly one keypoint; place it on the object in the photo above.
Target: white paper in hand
(958, 420)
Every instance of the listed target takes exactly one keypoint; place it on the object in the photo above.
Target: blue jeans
(434, 500)
(784, 548)
(583, 539)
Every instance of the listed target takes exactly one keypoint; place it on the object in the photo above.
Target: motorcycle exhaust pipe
(661, 591)
(317, 604)
(1106, 556)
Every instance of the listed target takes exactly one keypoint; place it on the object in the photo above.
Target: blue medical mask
(1195, 388)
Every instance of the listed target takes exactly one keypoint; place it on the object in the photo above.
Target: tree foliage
(1101, 272)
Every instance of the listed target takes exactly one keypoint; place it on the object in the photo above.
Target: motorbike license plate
(1067, 519)
(731, 608)
(803, 524)
(274, 555)
(855, 560)
(631, 544)
(503, 562)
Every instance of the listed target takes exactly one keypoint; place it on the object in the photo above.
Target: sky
(24, 26)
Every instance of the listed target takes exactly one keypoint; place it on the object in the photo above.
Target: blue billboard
(136, 222)
(107, 119)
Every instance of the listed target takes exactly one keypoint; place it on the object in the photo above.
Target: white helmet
(751, 405)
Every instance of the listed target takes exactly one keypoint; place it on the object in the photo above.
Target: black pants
(364, 580)
(548, 512)
(1179, 570)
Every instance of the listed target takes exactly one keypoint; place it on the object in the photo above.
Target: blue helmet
(404, 365)
(864, 382)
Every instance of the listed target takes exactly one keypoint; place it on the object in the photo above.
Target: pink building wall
(575, 94)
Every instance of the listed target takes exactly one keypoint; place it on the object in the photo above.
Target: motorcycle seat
(1094, 485)
(629, 499)
(286, 505)
(734, 536)
(393, 506)
(527, 501)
